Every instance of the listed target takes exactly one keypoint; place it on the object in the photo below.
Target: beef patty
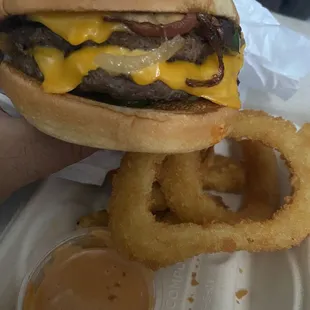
(24, 35)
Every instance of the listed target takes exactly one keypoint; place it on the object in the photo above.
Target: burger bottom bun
(89, 123)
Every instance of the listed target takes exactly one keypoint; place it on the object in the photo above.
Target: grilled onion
(147, 29)
(123, 64)
(214, 35)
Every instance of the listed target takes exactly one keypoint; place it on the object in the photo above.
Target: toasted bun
(86, 122)
(216, 7)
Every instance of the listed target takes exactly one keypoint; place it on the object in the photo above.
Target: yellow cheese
(64, 74)
(77, 28)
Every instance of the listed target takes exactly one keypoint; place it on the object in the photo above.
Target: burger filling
(128, 59)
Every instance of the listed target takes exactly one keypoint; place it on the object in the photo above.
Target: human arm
(27, 155)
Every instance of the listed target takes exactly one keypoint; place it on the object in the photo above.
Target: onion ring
(260, 186)
(136, 233)
(230, 177)
(194, 205)
(222, 174)
(261, 191)
(219, 173)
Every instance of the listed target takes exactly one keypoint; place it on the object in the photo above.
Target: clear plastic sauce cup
(84, 272)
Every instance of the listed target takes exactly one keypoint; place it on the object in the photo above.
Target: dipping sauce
(89, 279)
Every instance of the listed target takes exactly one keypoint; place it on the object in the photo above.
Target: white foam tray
(274, 281)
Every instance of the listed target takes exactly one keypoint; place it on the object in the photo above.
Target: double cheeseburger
(132, 75)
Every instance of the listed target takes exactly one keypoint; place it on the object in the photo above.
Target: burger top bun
(86, 122)
(215, 7)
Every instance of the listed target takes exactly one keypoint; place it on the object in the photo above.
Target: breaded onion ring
(222, 174)
(219, 173)
(136, 233)
(185, 194)
(257, 178)
(262, 187)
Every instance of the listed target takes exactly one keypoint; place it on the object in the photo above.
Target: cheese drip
(62, 75)
(77, 28)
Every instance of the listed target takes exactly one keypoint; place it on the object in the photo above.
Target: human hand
(27, 155)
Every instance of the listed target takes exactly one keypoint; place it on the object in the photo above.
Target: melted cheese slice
(62, 75)
(77, 28)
